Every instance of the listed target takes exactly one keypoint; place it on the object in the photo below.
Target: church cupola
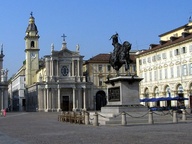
(31, 25)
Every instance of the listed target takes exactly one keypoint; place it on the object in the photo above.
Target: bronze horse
(120, 54)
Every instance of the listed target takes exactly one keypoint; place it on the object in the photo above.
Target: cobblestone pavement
(43, 128)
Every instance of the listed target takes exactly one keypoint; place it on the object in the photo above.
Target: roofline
(172, 30)
(166, 45)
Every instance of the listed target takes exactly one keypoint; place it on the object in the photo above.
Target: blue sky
(89, 23)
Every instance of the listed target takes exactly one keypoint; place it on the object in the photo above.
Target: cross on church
(63, 36)
(31, 14)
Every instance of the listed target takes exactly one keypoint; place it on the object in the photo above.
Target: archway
(100, 100)
(156, 95)
(180, 91)
(146, 95)
(168, 94)
(190, 95)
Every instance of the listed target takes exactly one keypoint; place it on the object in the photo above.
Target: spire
(64, 44)
(52, 47)
(63, 36)
(31, 25)
(190, 20)
(1, 49)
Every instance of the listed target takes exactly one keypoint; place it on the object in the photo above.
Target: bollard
(86, 114)
(184, 118)
(150, 120)
(123, 120)
(175, 119)
(95, 121)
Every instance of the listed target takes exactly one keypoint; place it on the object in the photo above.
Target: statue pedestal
(122, 96)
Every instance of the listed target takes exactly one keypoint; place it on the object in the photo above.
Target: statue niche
(120, 54)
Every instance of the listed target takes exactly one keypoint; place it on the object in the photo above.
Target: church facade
(54, 82)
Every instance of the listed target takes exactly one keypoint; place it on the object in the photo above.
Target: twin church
(52, 83)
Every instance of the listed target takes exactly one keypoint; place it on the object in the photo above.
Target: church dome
(31, 25)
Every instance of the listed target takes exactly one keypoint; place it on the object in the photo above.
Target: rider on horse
(120, 54)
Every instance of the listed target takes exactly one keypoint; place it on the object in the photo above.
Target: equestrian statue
(120, 54)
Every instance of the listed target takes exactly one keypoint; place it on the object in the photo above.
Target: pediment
(65, 53)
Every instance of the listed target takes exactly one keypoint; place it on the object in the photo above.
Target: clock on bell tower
(31, 51)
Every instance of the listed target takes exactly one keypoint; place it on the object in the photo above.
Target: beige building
(54, 82)
(167, 67)
(98, 70)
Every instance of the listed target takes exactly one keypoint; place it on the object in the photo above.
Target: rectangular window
(177, 52)
(154, 58)
(144, 61)
(158, 57)
(165, 73)
(145, 76)
(190, 69)
(190, 48)
(172, 73)
(100, 68)
(140, 62)
(100, 82)
(155, 75)
(160, 74)
(184, 70)
(178, 71)
(108, 68)
(149, 59)
(164, 55)
(183, 50)
(150, 76)
(170, 53)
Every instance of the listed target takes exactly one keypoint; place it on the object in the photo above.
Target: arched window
(156, 92)
(180, 90)
(146, 93)
(32, 44)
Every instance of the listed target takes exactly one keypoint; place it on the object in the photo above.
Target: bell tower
(31, 51)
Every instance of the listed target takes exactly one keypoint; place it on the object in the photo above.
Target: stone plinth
(123, 95)
(123, 90)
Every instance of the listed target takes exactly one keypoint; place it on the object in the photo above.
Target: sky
(89, 23)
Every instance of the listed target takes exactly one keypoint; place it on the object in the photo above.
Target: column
(2, 99)
(52, 100)
(51, 67)
(47, 65)
(74, 99)
(45, 100)
(38, 101)
(59, 100)
(72, 68)
(80, 98)
(57, 68)
(42, 99)
(78, 68)
(84, 99)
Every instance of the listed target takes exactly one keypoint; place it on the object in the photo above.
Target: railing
(84, 117)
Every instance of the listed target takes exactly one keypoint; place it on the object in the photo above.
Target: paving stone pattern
(43, 128)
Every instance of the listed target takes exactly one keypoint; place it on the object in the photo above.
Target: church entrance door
(65, 106)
